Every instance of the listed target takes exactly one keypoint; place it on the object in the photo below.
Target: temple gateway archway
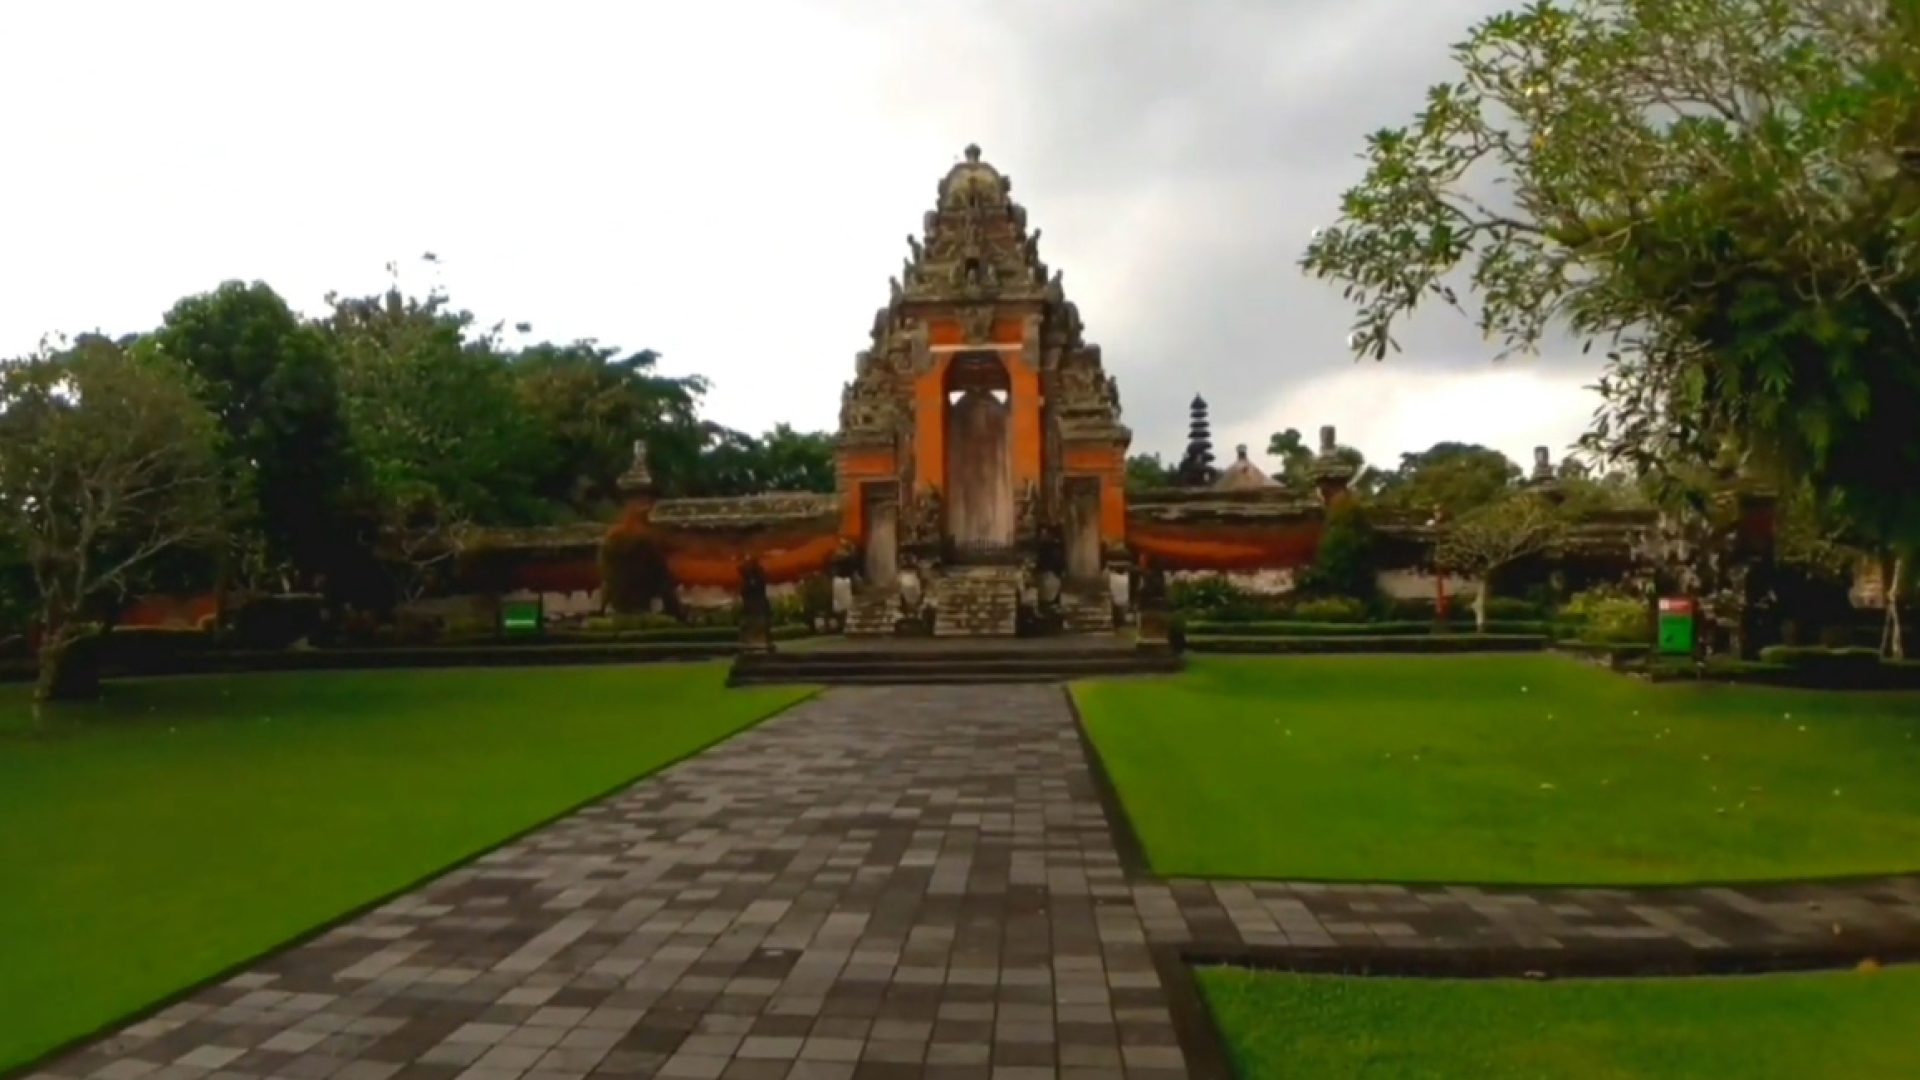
(980, 512)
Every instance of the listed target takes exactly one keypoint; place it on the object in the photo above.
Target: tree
(1146, 472)
(591, 403)
(1496, 535)
(109, 464)
(1196, 466)
(432, 409)
(1450, 477)
(1721, 193)
(268, 377)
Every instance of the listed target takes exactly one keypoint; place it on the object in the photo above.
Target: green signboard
(520, 617)
(1675, 637)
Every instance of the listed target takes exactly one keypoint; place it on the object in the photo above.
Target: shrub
(1810, 654)
(1345, 563)
(1606, 616)
(1509, 607)
(1204, 594)
(274, 622)
(1331, 609)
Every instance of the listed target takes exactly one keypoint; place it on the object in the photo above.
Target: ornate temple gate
(981, 401)
(979, 465)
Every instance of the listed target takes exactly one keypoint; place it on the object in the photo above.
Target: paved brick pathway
(892, 882)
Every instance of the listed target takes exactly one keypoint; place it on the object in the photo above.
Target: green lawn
(181, 826)
(1531, 769)
(1326, 1027)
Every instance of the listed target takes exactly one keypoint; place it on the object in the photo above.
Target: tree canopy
(1720, 194)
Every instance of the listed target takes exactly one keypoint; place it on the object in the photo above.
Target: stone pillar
(881, 505)
(1083, 548)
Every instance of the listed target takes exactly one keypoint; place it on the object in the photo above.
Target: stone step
(969, 666)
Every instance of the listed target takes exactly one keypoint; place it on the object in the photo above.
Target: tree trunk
(1480, 603)
(1892, 643)
(69, 667)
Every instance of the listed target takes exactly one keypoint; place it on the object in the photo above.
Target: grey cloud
(1260, 106)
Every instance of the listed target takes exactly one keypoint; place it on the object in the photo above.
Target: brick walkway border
(893, 883)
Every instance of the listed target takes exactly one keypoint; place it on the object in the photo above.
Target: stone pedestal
(756, 632)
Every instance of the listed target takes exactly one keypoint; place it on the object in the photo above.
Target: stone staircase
(976, 601)
(1086, 610)
(875, 611)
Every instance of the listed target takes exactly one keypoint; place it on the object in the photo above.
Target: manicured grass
(1523, 769)
(180, 826)
(1327, 1027)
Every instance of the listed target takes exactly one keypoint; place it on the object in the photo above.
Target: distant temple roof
(1243, 474)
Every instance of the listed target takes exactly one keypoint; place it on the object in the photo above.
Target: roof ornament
(973, 153)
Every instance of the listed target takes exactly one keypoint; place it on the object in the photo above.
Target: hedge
(1403, 643)
(1296, 628)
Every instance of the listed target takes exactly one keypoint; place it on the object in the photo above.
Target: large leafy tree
(109, 469)
(735, 463)
(1449, 477)
(1723, 194)
(432, 408)
(591, 402)
(269, 378)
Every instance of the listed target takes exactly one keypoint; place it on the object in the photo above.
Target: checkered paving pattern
(882, 882)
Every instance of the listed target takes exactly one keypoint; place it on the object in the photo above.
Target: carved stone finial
(1326, 439)
(1240, 452)
(638, 479)
(973, 153)
(1542, 464)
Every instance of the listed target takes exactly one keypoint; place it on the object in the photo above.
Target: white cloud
(728, 182)
(1395, 407)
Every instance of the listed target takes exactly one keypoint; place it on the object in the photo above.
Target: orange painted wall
(1109, 464)
(1225, 547)
(162, 612)
(856, 467)
(716, 563)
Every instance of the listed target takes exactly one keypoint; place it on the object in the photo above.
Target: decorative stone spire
(1542, 465)
(1196, 466)
(637, 482)
(1330, 472)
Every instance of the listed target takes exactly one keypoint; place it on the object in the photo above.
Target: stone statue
(894, 289)
(1326, 439)
(753, 588)
(756, 612)
(913, 244)
(1033, 244)
(1542, 464)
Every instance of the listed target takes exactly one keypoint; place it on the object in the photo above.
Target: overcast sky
(732, 183)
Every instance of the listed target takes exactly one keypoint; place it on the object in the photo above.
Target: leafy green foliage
(1297, 458)
(291, 470)
(1723, 194)
(591, 404)
(109, 464)
(1607, 616)
(1449, 477)
(1146, 472)
(1346, 564)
